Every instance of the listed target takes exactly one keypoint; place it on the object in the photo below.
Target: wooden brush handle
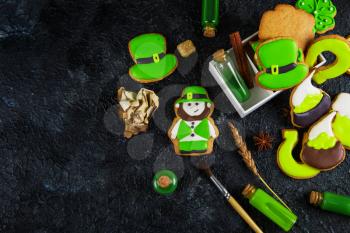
(236, 206)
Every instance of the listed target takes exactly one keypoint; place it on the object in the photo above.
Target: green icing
(336, 45)
(286, 160)
(341, 129)
(275, 54)
(322, 141)
(323, 11)
(255, 44)
(310, 102)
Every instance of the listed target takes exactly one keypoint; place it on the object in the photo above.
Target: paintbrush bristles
(243, 149)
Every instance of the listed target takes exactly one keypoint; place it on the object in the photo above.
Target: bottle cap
(209, 32)
(248, 191)
(219, 56)
(165, 182)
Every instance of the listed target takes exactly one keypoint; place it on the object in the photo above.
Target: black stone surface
(64, 164)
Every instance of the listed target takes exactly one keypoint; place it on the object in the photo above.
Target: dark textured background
(64, 166)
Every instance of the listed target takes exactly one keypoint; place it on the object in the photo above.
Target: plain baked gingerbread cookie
(287, 21)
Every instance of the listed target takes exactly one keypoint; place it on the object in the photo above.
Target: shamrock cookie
(324, 12)
(282, 65)
(335, 44)
(287, 21)
(341, 124)
(286, 161)
(321, 149)
(308, 103)
(193, 130)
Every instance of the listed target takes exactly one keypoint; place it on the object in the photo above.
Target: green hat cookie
(193, 93)
(282, 65)
(152, 63)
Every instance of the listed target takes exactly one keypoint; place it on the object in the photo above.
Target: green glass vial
(165, 182)
(210, 17)
(226, 67)
(331, 201)
(270, 207)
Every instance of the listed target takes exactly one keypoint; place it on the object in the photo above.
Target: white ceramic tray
(259, 96)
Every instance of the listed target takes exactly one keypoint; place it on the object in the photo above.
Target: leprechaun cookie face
(321, 149)
(193, 130)
(194, 108)
(308, 103)
(341, 124)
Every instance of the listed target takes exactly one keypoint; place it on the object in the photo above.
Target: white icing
(305, 88)
(342, 104)
(324, 126)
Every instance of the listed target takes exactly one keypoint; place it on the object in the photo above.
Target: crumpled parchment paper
(136, 109)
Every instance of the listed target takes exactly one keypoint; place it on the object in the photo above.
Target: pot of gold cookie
(308, 103)
(321, 149)
(341, 124)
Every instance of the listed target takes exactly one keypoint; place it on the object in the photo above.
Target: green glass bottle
(331, 201)
(270, 207)
(165, 182)
(210, 17)
(226, 67)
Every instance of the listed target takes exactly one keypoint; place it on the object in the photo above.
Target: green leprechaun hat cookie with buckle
(281, 61)
(148, 51)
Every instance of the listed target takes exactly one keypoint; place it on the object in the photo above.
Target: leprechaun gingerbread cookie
(193, 131)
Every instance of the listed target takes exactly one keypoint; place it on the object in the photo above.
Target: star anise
(263, 141)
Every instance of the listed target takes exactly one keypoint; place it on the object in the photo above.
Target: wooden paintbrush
(235, 205)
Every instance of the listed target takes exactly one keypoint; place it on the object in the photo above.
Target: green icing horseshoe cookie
(287, 163)
(335, 44)
(324, 12)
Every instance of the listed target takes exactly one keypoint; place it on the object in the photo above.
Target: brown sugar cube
(186, 48)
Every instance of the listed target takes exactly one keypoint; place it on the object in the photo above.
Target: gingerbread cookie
(324, 12)
(281, 63)
(287, 21)
(286, 161)
(341, 124)
(193, 130)
(321, 149)
(335, 44)
(308, 103)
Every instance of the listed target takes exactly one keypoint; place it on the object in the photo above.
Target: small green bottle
(331, 201)
(210, 17)
(270, 207)
(227, 68)
(165, 182)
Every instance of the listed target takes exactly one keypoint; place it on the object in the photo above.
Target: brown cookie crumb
(186, 48)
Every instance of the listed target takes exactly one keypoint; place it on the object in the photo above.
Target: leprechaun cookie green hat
(148, 51)
(193, 130)
(281, 61)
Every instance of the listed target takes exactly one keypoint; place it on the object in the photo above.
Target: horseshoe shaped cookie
(287, 163)
(335, 44)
